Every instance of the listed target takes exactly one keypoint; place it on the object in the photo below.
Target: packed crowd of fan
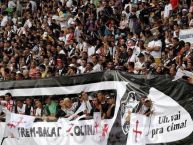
(53, 38)
(50, 109)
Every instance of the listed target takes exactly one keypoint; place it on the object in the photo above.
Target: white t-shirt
(70, 21)
(28, 24)
(33, 5)
(82, 69)
(155, 54)
(4, 21)
(71, 111)
(88, 106)
(138, 65)
(67, 37)
(91, 51)
(133, 58)
(62, 38)
(38, 112)
(21, 110)
(136, 50)
(167, 10)
(97, 68)
(69, 3)
(11, 4)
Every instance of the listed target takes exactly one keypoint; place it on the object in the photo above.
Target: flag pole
(3, 140)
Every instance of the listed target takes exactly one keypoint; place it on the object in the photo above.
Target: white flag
(180, 73)
(138, 129)
(82, 108)
(14, 121)
(97, 121)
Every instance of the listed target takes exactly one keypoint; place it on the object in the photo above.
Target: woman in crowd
(62, 111)
(96, 107)
(39, 111)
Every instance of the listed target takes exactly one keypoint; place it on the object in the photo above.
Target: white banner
(71, 132)
(180, 73)
(78, 132)
(14, 121)
(169, 121)
(156, 118)
(187, 36)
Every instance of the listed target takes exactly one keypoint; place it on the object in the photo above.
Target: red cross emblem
(10, 125)
(105, 130)
(136, 131)
(20, 121)
(96, 126)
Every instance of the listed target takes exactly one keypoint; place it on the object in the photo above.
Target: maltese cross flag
(14, 121)
(138, 129)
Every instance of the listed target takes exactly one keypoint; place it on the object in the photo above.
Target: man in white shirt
(20, 108)
(28, 23)
(82, 68)
(91, 50)
(97, 67)
(86, 102)
(139, 65)
(131, 55)
(167, 9)
(4, 19)
(33, 5)
(11, 4)
(69, 3)
(154, 48)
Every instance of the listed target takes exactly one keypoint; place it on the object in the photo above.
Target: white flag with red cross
(97, 121)
(138, 129)
(14, 121)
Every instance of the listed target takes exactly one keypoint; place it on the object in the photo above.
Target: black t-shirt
(123, 58)
(112, 112)
(28, 110)
(94, 109)
(104, 107)
(144, 15)
(60, 113)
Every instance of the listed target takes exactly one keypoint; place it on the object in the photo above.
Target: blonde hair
(66, 100)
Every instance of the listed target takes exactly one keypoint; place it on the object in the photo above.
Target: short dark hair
(90, 63)
(97, 57)
(131, 64)
(74, 69)
(8, 94)
(188, 43)
(175, 38)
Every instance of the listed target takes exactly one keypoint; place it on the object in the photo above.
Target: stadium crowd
(53, 38)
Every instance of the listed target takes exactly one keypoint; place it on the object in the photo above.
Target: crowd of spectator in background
(52, 38)
(50, 108)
